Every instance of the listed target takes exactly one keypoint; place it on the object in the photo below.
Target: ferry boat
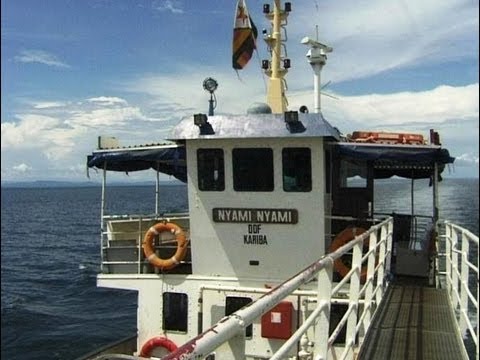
(281, 254)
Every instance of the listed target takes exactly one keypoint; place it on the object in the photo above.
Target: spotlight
(210, 85)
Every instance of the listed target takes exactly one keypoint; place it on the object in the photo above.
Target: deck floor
(414, 322)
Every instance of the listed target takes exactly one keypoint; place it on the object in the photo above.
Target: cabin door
(352, 192)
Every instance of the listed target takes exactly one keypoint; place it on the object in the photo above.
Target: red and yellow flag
(244, 36)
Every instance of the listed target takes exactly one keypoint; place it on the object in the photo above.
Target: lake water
(51, 307)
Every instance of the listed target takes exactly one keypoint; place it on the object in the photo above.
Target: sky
(72, 70)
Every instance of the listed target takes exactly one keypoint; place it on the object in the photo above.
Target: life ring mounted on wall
(157, 342)
(149, 248)
(341, 239)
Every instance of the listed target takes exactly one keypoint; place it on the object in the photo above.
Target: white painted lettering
(221, 215)
(267, 214)
(255, 239)
(244, 215)
(283, 216)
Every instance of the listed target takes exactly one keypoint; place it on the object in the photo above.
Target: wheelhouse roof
(255, 126)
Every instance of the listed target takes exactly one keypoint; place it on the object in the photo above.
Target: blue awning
(170, 160)
(408, 161)
(388, 160)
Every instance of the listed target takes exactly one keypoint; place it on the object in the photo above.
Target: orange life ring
(149, 248)
(341, 239)
(155, 342)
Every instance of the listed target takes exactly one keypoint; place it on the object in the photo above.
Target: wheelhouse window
(211, 173)
(252, 169)
(297, 169)
(175, 311)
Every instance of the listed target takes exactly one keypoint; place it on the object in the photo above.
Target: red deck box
(277, 323)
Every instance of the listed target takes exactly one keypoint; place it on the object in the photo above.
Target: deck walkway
(413, 322)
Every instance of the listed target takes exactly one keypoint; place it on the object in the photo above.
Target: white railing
(461, 277)
(227, 337)
(128, 231)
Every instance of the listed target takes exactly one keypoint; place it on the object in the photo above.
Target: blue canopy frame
(407, 161)
(170, 160)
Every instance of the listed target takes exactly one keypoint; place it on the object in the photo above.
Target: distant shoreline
(67, 184)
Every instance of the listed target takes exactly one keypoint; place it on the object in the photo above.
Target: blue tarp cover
(388, 160)
(400, 160)
(167, 160)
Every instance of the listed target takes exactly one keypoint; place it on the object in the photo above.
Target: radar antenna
(317, 57)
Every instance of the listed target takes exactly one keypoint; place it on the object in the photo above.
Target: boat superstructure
(281, 253)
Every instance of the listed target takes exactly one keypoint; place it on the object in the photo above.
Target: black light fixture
(201, 121)
(210, 85)
(266, 8)
(304, 109)
(265, 64)
(288, 6)
(291, 117)
(286, 63)
(293, 124)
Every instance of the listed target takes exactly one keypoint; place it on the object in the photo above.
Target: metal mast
(273, 69)
(317, 57)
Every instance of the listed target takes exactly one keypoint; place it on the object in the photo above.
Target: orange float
(149, 248)
(156, 342)
(341, 239)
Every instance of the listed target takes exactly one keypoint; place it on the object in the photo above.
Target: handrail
(460, 272)
(130, 229)
(231, 328)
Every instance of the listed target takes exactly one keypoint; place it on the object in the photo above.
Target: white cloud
(58, 134)
(41, 57)
(102, 118)
(28, 131)
(174, 6)
(48, 104)
(404, 109)
(108, 100)
(22, 168)
(45, 133)
(468, 159)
